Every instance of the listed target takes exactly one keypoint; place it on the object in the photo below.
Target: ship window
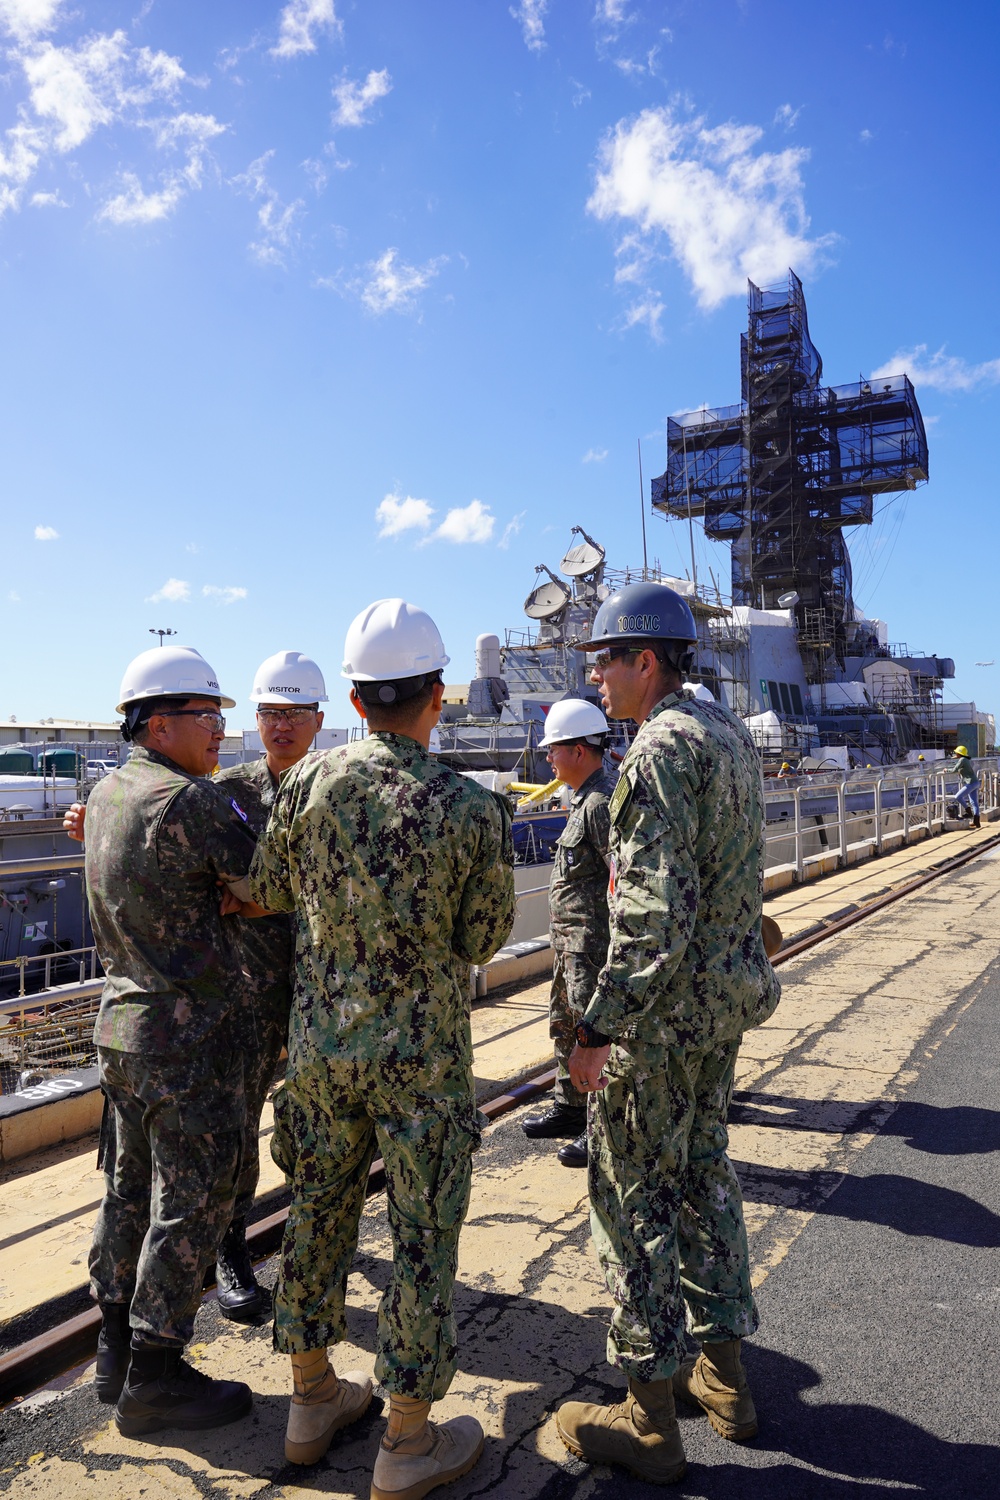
(786, 701)
(796, 698)
(772, 693)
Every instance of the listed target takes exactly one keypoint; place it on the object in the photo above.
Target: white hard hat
(169, 672)
(700, 691)
(573, 719)
(392, 639)
(288, 677)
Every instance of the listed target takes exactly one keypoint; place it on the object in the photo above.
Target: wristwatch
(586, 1036)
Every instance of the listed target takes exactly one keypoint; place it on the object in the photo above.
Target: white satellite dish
(548, 599)
(789, 600)
(586, 557)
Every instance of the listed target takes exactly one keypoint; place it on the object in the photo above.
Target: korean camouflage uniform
(170, 1034)
(399, 872)
(686, 974)
(578, 921)
(266, 956)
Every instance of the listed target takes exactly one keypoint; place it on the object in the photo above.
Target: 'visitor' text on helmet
(288, 677)
(169, 672)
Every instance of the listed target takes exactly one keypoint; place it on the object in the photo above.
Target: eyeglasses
(215, 722)
(605, 658)
(290, 715)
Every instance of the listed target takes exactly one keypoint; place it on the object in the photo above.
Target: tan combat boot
(640, 1433)
(321, 1405)
(417, 1455)
(717, 1382)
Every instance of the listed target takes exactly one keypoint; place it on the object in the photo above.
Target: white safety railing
(846, 817)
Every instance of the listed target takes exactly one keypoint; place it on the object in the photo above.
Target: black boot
(559, 1120)
(240, 1297)
(161, 1390)
(975, 822)
(574, 1153)
(112, 1352)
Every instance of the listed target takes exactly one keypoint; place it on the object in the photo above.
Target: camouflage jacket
(265, 943)
(158, 841)
(686, 965)
(400, 875)
(578, 892)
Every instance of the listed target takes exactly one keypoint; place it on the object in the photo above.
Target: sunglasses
(215, 722)
(605, 658)
(290, 715)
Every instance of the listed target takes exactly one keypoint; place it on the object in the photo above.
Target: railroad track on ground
(72, 1342)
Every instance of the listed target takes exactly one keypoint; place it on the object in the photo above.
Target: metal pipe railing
(805, 814)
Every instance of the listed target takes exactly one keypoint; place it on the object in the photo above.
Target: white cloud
(301, 22)
(276, 221)
(531, 15)
(74, 90)
(100, 80)
(396, 514)
(174, 591)
(135, 206)
(27, 19)
(512, 528)
(227, 595)
(469, 523)
(13, 597)
(646, 312)
(390, 285)
(46, 534)
(186, 127)
(943, 372)
(355, 100)
(787, 116)
(191, 547)
(48, 200)
(866, 136)
(726, 213)
(594, 456)
(612, 14)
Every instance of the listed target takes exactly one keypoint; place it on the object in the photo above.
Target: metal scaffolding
(780, 476)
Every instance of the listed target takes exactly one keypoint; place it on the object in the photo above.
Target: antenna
(547, 600)
(642, 510)
(586, 557)
(161, 633)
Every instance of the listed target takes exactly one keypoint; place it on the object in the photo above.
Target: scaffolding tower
(781, 475)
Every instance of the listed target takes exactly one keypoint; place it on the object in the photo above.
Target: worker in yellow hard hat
(969, 777)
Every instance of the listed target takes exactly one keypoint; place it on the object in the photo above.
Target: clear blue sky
(279, 277)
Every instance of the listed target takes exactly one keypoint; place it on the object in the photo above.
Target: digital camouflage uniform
(170, 1033)
(399, 872)
(266, 956)
(578, 921)
(686, 975)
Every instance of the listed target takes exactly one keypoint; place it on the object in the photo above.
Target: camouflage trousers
(260, 1064)
(666, 1207)
(325, 1137)
(574, 976)
(170, 1167)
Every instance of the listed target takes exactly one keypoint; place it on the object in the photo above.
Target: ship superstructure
(779, 477)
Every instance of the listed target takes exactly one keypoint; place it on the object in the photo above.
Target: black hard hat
(641, 611)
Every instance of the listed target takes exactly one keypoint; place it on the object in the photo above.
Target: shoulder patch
(620, 798)
(237, 809)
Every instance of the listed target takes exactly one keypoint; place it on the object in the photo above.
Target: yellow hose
(534, 792)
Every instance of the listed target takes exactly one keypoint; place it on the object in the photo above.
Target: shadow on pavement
(954, 1130)
(859, 1449)
(903, 1203)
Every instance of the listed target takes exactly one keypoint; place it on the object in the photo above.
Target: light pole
(161, 633)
